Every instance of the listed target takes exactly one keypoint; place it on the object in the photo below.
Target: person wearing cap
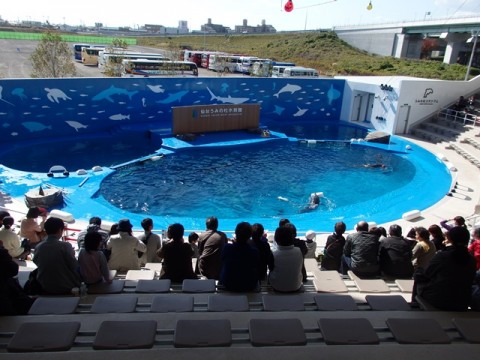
(125, 248)
(11, 241)
(30, 229)
(311, 244)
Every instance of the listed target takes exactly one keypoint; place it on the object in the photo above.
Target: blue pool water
(255, 182)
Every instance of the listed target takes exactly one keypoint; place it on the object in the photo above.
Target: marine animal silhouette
(156, 88)
(54, 95)
(20, 92)
(33, 126)
(173, 97)
(300, 112)
(228, 99)
(5, 101)
(111, 91)
(332, 94)
(119, 117)
(288, 88)
(76, 125)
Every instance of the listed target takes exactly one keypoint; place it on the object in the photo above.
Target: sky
(307, 14)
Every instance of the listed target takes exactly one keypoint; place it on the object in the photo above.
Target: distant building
(214, 28)
(259, 29)
(163, 30)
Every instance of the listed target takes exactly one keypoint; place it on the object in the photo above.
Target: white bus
(224, 63)
(106, 59)
(299, 71)
(245, 66)
(151, 68)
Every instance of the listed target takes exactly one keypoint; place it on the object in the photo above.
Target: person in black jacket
(395, 255)
(447, 282)
(332, 255)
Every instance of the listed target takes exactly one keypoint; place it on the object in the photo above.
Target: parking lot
(15, 61)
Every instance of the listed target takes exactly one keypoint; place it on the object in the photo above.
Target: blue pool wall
(73, 107)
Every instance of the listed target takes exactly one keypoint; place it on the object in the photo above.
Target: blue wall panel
(49, 108)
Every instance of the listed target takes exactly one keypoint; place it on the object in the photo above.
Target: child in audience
(92, 262)
(192, 240)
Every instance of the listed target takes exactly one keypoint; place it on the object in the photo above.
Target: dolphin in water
(76, 125)
(332, 94)
(173, 97)
(288, 88)
(113, 90)
(33, 126)
(229, 99)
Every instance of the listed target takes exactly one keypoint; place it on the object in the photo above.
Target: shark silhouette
(112, 90)
(229, 99)
(173, 97)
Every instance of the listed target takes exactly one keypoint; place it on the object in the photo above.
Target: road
(15, 61)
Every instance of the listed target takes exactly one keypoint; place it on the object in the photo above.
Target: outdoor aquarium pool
(238, 179)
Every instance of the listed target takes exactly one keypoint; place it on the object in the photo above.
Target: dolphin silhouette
(76, 125)
(288, 88)
(173, 97)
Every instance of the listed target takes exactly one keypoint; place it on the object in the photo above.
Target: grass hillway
(323, 51)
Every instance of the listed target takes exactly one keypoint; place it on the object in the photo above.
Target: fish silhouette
(112, 90)
(173, 97)
(119, 117)
(76, 125)
(229, 99)
(54, 95)
(332, 94)
(288, 88)
(33, 126)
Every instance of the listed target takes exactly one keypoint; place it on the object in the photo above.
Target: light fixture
(288, 6)
(369, 6)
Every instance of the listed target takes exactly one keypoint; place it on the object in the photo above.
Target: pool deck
(464, 201)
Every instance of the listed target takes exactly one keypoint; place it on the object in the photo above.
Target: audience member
(380, 231)
(13, 299)
(311, 244)
(177, 256)
(300, 244)
(240, 262)
(210, 246)
(30, 229)
(286, 275)
(151, 240)
(125, 248)
(3, 214)
(94, 225)
(474, 247)
(55, 260)
(395, 255)
(457, 221)
(447, 281)
(259, 241)
(332, 255)
(11, 241)
(360, 253)
(91, 261)
(192, 240)
(424, 250)
(437, 237)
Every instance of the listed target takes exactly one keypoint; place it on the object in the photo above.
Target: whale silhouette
(76, 125)
(300, 112)
(33, 126)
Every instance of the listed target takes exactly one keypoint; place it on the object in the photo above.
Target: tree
(113, 67)
(52, 58)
